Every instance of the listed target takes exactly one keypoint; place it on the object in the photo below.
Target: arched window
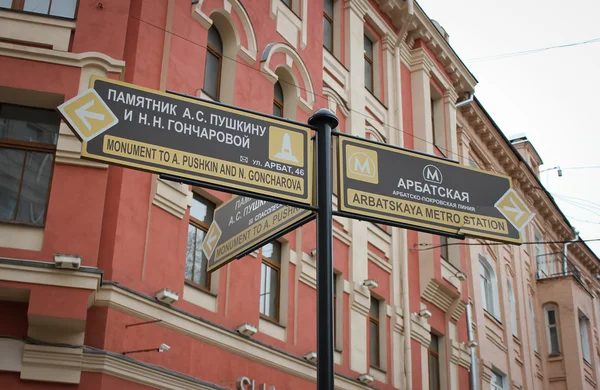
(551, 316)
(278, 100)
(214, 63)
(489, 287)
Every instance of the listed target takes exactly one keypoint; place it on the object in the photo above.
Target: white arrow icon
(515, 209)
(211, 239)
(83, 114)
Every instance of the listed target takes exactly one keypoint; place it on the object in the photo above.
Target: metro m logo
(432, 174)
(361, 164)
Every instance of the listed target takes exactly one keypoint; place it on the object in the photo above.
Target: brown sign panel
(402, 187)
(139, 128)
(244, 224)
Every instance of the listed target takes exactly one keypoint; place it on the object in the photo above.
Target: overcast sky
(551, 96)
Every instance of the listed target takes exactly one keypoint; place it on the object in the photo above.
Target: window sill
(493, 318)
(199, 297)
(378, 374)
(21, 236)
(270, 328)
(587, 364)
(554, 357)
(376, 98)
(516, 339)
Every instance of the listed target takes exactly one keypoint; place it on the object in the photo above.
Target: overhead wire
(431, 246)
(531, 51)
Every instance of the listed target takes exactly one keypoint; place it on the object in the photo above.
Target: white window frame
(500, 376)
(489, 290)
(547, 309)
(539, 251)
(532, 327)
(584, 337)
(512, 304)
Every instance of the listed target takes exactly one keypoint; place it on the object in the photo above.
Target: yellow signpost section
(210, 241)
(88, 114)
(514, 209)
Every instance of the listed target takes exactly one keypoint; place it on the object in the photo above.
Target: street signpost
(269, 162)
(244, 224)
(409, 189)
(230, 149)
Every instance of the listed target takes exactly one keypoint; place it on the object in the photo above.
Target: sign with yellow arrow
(228, 148)
(405, 188)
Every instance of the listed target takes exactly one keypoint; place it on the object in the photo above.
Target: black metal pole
(324, 120)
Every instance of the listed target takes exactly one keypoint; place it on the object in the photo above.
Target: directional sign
(404, 188)
(244, 224)
(188, 138)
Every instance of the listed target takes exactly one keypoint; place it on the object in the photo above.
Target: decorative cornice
(438, 295)
(171, 197)
(38, 272)
(420, 330)
(51, 364)
(78, 60)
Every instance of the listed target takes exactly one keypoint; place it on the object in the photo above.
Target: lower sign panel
(399, 187)
(244, 224)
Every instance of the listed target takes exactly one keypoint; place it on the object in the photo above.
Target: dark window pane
(434, 344)
(202, 210)
(369, 76)
(434, 372)
(287, 2)
(444, 247)
(28, 124)
(191, 250)
(551, 317)
(211, 75)
(278, 92)
(200, 275)
(272, 251)
(37, 6)
(63, 8)
(11, 168)
(368, 47)
(34, 188)
(327, 34)
(374, 311)
(269, 286)
(214, 40)
(328, 7)
(374, 343)
(554, 340)
(277, 110)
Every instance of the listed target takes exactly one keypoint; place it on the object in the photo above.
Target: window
(328, 25)
(438, 130)
(278, 100)
(552, 329)
(497, 381)
(368, 64)
(432, 103)
(532, 328)
(434, 363)
(27, 145)
(584, 337)
(270, 271)
(488, 287)
(201, 215)
(288, 3)
(214, 62)
(444, 247)
(60, 8)
(513, 308)
(541, 260)
(374, 350)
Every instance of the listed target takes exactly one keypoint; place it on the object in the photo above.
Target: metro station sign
(400, 187)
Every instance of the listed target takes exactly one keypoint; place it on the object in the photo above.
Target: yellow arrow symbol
(211, 239)
(88, 115)
(514, 209)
